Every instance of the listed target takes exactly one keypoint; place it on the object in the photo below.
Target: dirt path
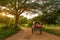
(25, 34)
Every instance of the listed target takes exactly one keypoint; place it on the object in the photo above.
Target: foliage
(30, 22)
(49, 18)
(4, 19)
(58, 20)
(11, 21)
(22, 20)
(36, 19)
(17, 7)
(49, 8)
(50, 11)
(52, 31)
(5, 32)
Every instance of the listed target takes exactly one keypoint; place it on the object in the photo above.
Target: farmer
(34, 26)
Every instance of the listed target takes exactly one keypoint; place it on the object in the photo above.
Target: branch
(21, 12)
(24, 2)
(9, 6)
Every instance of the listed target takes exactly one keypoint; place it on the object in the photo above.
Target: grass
(55, 32)
(4, 33)
(52, 29)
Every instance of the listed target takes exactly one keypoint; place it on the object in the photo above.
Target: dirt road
(25, 34)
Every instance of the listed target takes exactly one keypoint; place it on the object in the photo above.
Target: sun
(8, 15)
(3, 14)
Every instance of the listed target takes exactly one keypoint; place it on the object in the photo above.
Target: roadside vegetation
(6, 31)
(53, 29)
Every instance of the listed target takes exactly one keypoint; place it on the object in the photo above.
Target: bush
(7, 32)
(52, 31)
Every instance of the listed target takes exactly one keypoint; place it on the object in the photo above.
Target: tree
(17, 7)
(50, 10)
(22, 20)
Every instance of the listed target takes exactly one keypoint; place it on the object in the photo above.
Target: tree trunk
(16, 21)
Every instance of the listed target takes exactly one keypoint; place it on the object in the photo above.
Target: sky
(29, 16)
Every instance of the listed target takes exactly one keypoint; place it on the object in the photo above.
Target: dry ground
(25, 34)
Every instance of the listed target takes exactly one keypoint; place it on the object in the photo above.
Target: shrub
(52, 31)
(7, 32)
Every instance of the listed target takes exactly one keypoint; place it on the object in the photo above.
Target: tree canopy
(17, 7)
